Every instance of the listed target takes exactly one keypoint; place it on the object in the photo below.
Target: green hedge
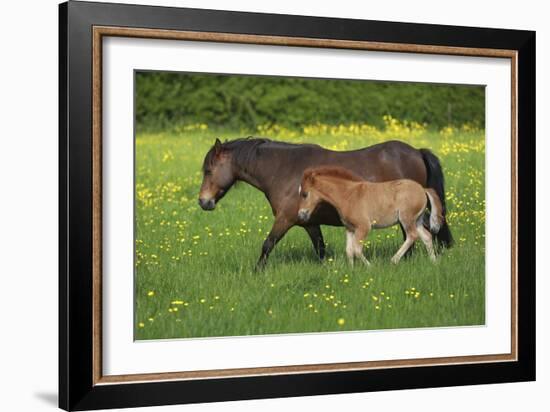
(165, 99)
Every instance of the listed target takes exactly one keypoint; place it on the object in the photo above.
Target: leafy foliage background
(246, 102)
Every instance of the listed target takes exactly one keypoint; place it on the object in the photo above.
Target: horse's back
(384, 161)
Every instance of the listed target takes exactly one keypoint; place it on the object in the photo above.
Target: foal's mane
(331, 171)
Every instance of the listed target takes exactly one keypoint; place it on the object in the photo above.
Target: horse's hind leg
(444, 236)
(411, 236)
(316, 237)
(426, 237)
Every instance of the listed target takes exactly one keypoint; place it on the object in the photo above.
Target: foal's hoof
(395, 261)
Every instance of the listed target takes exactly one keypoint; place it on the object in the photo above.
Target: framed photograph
(257, 205)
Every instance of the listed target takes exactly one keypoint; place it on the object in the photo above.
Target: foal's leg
(411, 236)
(409, 251)
(278, 230)
(316, 237)
(359, 235)
(426, 237)
(350, 246)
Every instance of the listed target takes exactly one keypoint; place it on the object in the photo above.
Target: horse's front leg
(316, 237)
(279, 229)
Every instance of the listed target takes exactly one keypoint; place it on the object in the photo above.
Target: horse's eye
(207, 172)
(304, 194)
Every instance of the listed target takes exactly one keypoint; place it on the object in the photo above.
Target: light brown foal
(363, 206)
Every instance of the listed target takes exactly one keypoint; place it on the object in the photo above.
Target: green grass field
(194, 269)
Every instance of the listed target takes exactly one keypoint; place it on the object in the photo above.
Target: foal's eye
(207, 172)
(304, 194)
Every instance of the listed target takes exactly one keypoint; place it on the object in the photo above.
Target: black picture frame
(77, 390)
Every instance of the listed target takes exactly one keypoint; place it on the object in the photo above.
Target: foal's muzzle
(207, 204)
(303, 215)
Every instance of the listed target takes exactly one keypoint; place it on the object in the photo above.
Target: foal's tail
(436, 213)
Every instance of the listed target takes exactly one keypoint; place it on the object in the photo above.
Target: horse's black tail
(436, 181)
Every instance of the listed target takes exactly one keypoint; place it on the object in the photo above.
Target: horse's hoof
(259, 267)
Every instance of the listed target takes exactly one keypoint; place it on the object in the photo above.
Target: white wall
(28, 202)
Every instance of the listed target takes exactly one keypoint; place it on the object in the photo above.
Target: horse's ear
(217, 146)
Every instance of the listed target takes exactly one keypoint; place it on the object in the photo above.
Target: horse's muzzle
(207, 204)
(303, 215)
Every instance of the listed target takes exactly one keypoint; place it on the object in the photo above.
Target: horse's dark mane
(332, 171)
(244, 150)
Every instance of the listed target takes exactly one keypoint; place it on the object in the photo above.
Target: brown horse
(363, 206)
(276, 169)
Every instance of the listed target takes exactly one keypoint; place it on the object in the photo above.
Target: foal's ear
(217, 146)
(310, 177)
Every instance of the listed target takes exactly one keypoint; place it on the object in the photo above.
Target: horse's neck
(258, 175)
(252, 178)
